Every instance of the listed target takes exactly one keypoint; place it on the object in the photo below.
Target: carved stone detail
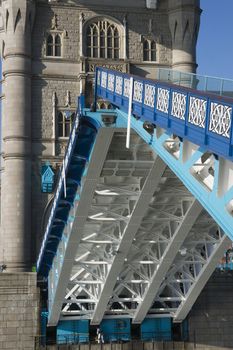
(119, 67)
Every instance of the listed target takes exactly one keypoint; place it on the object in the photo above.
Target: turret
(17, 23)
(184, 21)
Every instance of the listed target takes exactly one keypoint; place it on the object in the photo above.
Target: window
(149, 50)
(103, 40)
(65, 123)
(53, 45)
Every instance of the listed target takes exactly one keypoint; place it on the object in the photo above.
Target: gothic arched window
(149, 50)
(103, 40)
(146, 51)
(53, 45)
(57, 45)
(49, 48)
(65, 122)
(153, 51)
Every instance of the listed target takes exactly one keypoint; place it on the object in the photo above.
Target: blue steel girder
(201, 172)
(93, 276)
(108, 213)
(199, 117)
(192, 137)
(78, 151)
(60, 274)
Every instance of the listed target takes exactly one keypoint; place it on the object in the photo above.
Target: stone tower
(184, 21)
(17, 23)
(49, 50)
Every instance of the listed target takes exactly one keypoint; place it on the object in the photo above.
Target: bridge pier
(19, 305)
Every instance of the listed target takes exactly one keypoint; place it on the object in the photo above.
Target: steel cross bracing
(112, 214)
(173, 291)
(127, 251)
(126, 264)
(167, 237)
(121, 197)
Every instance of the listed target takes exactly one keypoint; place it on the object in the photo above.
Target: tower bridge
(127, 209)
(136, 230)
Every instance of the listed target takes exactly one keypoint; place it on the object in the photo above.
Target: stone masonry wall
(211, 318)
(210, 322)
(140, 346)
(19, 304)
(68, 22)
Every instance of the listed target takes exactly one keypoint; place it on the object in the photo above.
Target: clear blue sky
(215, 43)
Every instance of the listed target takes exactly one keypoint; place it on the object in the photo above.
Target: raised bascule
(136, 233)
(117, 170)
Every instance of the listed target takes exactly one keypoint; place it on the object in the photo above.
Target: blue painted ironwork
(226, 266)
(76, 159)
(156, 329)
(160, 144)
(73, 332)
(116, 329)
(73, 167)
(199, 117)
(215, 204)
(43, 325)
(180, 114)
(47, 178)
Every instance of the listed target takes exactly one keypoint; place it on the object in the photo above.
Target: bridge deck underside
(142, 244)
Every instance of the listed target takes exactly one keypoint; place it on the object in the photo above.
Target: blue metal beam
(199, 117)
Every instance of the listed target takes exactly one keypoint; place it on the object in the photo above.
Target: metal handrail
(200, 117)
(214, 85)
(60, 184)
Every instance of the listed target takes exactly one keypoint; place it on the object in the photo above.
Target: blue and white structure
(136, 233)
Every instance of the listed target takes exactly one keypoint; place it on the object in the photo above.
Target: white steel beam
(103, 140)
(140, 208)
(167, 258)
(202, 279)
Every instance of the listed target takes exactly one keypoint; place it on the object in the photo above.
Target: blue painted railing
(59, 192)
(199, 117)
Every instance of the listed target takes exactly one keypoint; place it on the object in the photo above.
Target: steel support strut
(174, 245)
(103, 141)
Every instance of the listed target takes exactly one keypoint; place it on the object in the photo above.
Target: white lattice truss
(179, 101)
(163, 100)
(104, 80)
(220, 119)
(119, 85)
(197, 112)
(111, 80)
(126, 87)
(149, 98)
(140, 243)
(138, 89)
